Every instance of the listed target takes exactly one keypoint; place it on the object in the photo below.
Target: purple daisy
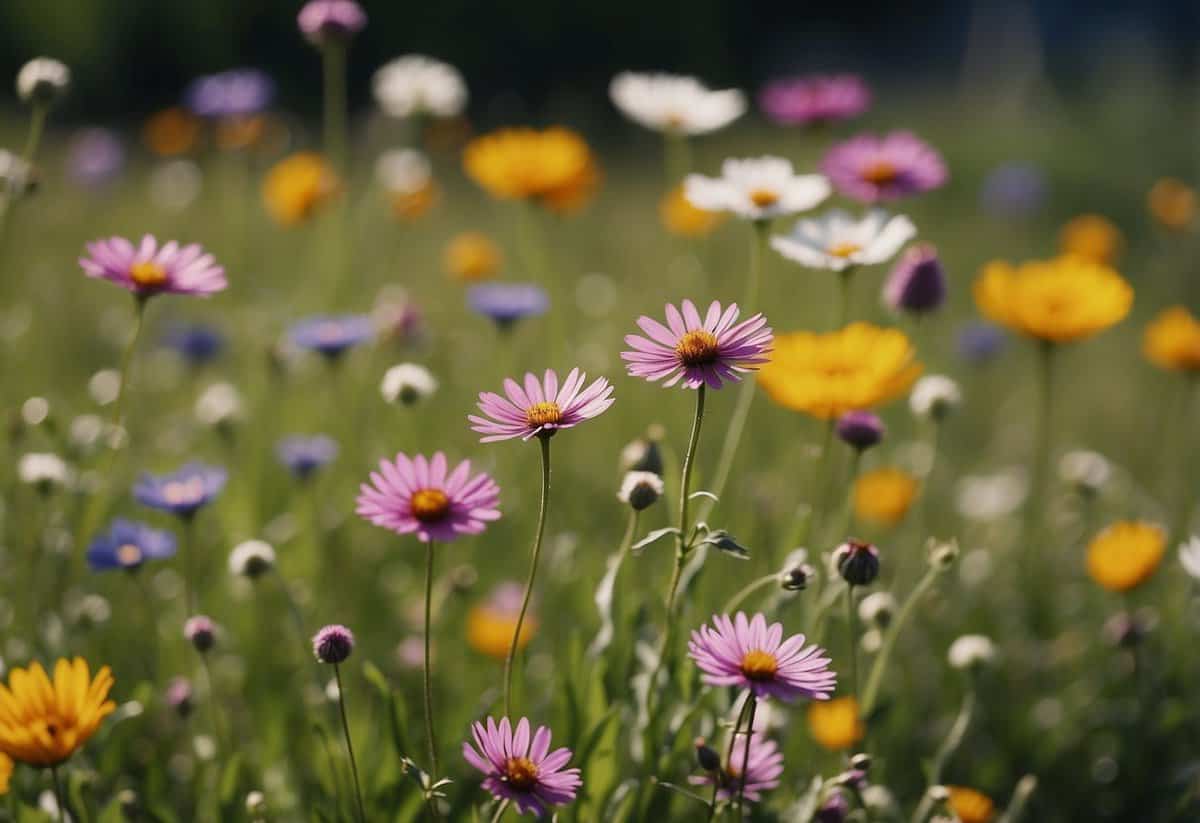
(332, 335)
(422, 496)
(873, 169)
(753, 655)
(760, 772)
(521, 768)
(321, 20)
(694, 351)
(815, 99)
(304, 455)
(541, 408)
(183, 492)
(127, 545)
(148, 269)
(233, 93)
(95, 157)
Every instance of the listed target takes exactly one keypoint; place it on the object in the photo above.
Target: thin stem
(1034, 562)
(741, 795)
(59, 798)
(189, 564)
(681, 550)
(127, 358)
(333, 59)
(954, 737)
(875, 679)
(428, 671)
(758, 253)
(37, 123)
(533, 565)
(747, 590)
(337, 674)
(737, 725)
(677, 157)
(852, 632)
(500, 810)
(845, 295)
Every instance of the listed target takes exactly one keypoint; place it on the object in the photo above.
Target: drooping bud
(857, 562)
(706, 756)
(640, 489)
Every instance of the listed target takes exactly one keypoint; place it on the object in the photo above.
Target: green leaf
(230, 777)
(702, 493)
(77, 783)
(724, 541)
(654, 536)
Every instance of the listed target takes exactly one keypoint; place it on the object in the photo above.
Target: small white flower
(251, 558)
(415, 84)
(836, 240)
(218, 405)
(971, 651)
(992, 496)
(675, 104)
(256, 803)
(1189, 557)
(44, 470)
(934, 397)
(175, 184)
(877, 609)
(407, 383)
(640, 489)
(757, 188)
(85, 430)
(35, 410)
(403, 171)
(1086, 471)
(104, 386)
(42, 80)
(16, 176)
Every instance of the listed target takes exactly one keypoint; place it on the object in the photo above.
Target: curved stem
(954, 737)
(747, 590)
(428, 671)
(127, 359)
(59, 798)
(724, 771)
(362, 813)
(889, 641)
(500, 810)
(741, 795)
(852, 632)
(533, 565)
(685, 487)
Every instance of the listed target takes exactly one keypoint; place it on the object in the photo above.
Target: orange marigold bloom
(171, 132)
(970, 805)
(42, 723)
(679, 216)
(472, 256)
(1172, 340)
(553, 167)
(1091, 237)
(884, 495)
(1126, 554)
(6, 770)
(490, 625)
(829, 374)
(298, 186)
(1059, 300)
(1172, 203)
(836, 724)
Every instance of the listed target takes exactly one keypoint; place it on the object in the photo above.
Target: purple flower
(333, 644)
(860, 429)
(323, 20)
(422, 496)
(760, 772)
(506, 303)
(182, 492)
(917, 283)
(980, 342)
(233, 93)
(541, 408)
(95, 156)
(815, 99)
(127, 545)
(201, 632)
(332, 335)
(304, 455)
(196, 343)
(521, 768)
(147, 269)
(752, 655)
(179, 695)
(873, 169)
(693, 352)
(1013, 190)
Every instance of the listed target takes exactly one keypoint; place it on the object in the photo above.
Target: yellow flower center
(844, 249)
(147, 274)
(764, 198)
(879, 172)
(543, 414)
(759, 665)
(697, 348)
(129, 555)
(520, 773)
(429, 505)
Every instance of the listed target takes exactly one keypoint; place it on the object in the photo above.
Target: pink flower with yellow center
(750, 654)
(423, 496)
(148, 269)
(541, 407)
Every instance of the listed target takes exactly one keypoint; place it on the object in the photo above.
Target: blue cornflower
(303, 455)
(332, 335)
(980, 342)
(182, 492)
(127, 545)
(196, 343)
(233, 93)
(507, 303)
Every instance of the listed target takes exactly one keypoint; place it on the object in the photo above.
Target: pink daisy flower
(416, 495)
(800, 101)
(693, 352)
(520, 768)
(753, 655)
(760, 772)
(148, 269)
(541, 408)
(874, 169)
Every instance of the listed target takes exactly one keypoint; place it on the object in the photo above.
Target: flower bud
(861, 762)
(201, 632)
(179, 696)
(42, 81)
(971, 652)
(251, 558)
(333, 644)
(256, 803)
(934, 397)
(1087, 472)
(127, 799)
(325, 21)
(860, 429)
(797, 578)
(857, 562)
(640, 489)
(917, 282)
(407, 384)
(942, 553)
(706, 756)
(877, 609)
(642, 455)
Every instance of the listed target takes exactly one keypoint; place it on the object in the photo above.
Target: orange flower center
(520, 773)
(429, 505)
(697, 348)
(759, 665)
(129, 555)
(844, 249)
(183, 491)
(543, 414)
(879, 172)
(764, 198)
(147, 274)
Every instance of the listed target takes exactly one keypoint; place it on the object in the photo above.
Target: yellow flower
(679, 216)
(1060, 300)
(553, 167)
(6, 770)
(410, 205)
(1172, 340)
(884, 495)
(835, 724)
(472, 256)
(171, 132)
(43, 723)
(1091, 237)
(297, 186)
(971, 806)
(490, 630)
(1125, 554)
(1172, 203)
(827, 375)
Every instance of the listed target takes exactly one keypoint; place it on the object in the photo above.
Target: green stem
(747, 590)
(677, 157)
(362, 812)
(544, 439)
(875, 679)
(758, 254)
(500, 810)
(430, 734)
(59, 798)
(741, 795)
(852, 632)
(127, 359)
(954, 737)
(685, 485)
(722, 773)
(333, 60)
(845, 295)
(37, 124)
(189, 564)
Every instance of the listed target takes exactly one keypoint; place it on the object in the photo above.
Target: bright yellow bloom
(679, 216)
(297, 187)
(1060, 300)
(1172, 340)
(884, 495)
(6, 770)
(490, 630)
(1091, 237)
(553, 167)
(43, 723)
(1172, 203)
(971, 806)
(827, 375)
(1125, 554)
(171, 132)
(835, 724)
(472, 256)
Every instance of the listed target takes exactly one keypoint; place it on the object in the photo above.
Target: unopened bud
(706, 756)
(857, 562)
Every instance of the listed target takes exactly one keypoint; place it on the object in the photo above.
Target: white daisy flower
(44, 470)
(675, 104)
(1189, 557)
(1086, 471)
(934, 396)
(971, 651)
(251, 558)
(640, 489)
(42, 80)
(403, 171)
(416, 84)
(836, 240)
(407, 383)
(757, 188)
(218, 405)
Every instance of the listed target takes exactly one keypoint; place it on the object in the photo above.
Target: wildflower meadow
(805, 453)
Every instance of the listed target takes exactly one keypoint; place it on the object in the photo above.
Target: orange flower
(490, 625)
(835, 724)
(971, 806)
(553, 167)
(297, 187)
(44, 722)
(1125, 554)
(1172, 203)
(884, 495)
(679, 216)
(237, 133)
(472, 256)
(1172, 340)
(1091, 237)
(171, 132)
(6, 770)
